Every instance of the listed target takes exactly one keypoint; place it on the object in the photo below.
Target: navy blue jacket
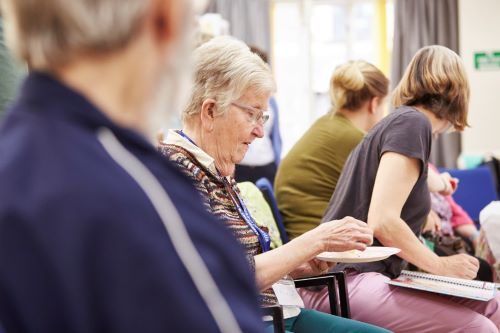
(81, 247)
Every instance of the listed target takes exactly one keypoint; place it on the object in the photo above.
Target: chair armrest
(276, 312)
(331, 280)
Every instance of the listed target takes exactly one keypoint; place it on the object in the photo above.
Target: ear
(207, 114)
(373, 104)
(166, 18)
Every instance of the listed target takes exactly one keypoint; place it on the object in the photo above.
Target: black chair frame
(275, 312)
(339, 304)
(339, 301)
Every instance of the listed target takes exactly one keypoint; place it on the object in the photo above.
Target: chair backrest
(260, 210)
(267, 190)
(475, 190)
(494, 164)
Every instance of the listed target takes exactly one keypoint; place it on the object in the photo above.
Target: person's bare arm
(441, 183)
(396, 176)
(468, 231)
(340, 235)
(433, 223)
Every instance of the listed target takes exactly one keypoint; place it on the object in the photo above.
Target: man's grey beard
(170, 98)
(175, 84)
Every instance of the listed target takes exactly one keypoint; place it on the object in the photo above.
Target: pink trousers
(399, 309)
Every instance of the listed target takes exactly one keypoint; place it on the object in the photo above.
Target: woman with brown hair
(384, 182)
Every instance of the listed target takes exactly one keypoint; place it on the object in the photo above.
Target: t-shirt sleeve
(408, 134)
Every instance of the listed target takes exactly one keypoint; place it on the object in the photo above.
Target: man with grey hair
(98, 232)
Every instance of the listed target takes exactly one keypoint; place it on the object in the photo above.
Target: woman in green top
(307, 177)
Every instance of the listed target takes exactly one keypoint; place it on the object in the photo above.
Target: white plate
(372, 253)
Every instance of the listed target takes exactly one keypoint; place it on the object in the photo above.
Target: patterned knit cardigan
(219, 202)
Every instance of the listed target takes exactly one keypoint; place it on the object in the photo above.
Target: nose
(258, 130)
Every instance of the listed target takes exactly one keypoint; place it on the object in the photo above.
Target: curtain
(249, 20)
(419, 23)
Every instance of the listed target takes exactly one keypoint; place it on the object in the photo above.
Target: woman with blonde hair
(384, 182)
(357, 90)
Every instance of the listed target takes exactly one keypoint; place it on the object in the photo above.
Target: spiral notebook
(478, 290)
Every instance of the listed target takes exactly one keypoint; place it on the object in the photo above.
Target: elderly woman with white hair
(225, 114)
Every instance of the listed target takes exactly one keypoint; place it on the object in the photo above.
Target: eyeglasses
(256, 116)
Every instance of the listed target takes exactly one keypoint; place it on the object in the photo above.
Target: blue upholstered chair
(266, 188)
(476, 189)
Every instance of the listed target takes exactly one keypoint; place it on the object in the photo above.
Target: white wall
(480, 31)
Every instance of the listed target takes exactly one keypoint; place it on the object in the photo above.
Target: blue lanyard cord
(264, 239)
(181, 133)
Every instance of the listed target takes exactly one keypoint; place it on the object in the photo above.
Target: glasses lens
(265, 117)
(256, 116)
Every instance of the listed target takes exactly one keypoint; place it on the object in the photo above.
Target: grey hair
(51, 33)
(225, 69)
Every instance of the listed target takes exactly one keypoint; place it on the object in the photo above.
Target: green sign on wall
(487, 60)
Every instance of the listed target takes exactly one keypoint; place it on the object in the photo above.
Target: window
(310, 39)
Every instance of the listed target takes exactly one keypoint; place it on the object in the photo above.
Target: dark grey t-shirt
(405, 131)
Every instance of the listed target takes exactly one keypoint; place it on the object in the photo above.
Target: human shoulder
(337, 135)
(405, 131)
(173, 152)
(184, 160)
(409, 117)
(336, 126)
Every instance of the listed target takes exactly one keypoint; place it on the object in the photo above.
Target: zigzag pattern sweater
(218, 201)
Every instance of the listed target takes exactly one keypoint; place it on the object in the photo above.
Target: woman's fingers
(474, 262)
(323, 266)
(460, 265)
(346, 234)
(353, 221)
(359, 246)
(471, 273)
(363, 235)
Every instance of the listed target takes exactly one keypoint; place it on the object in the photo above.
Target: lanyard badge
(264, 239)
